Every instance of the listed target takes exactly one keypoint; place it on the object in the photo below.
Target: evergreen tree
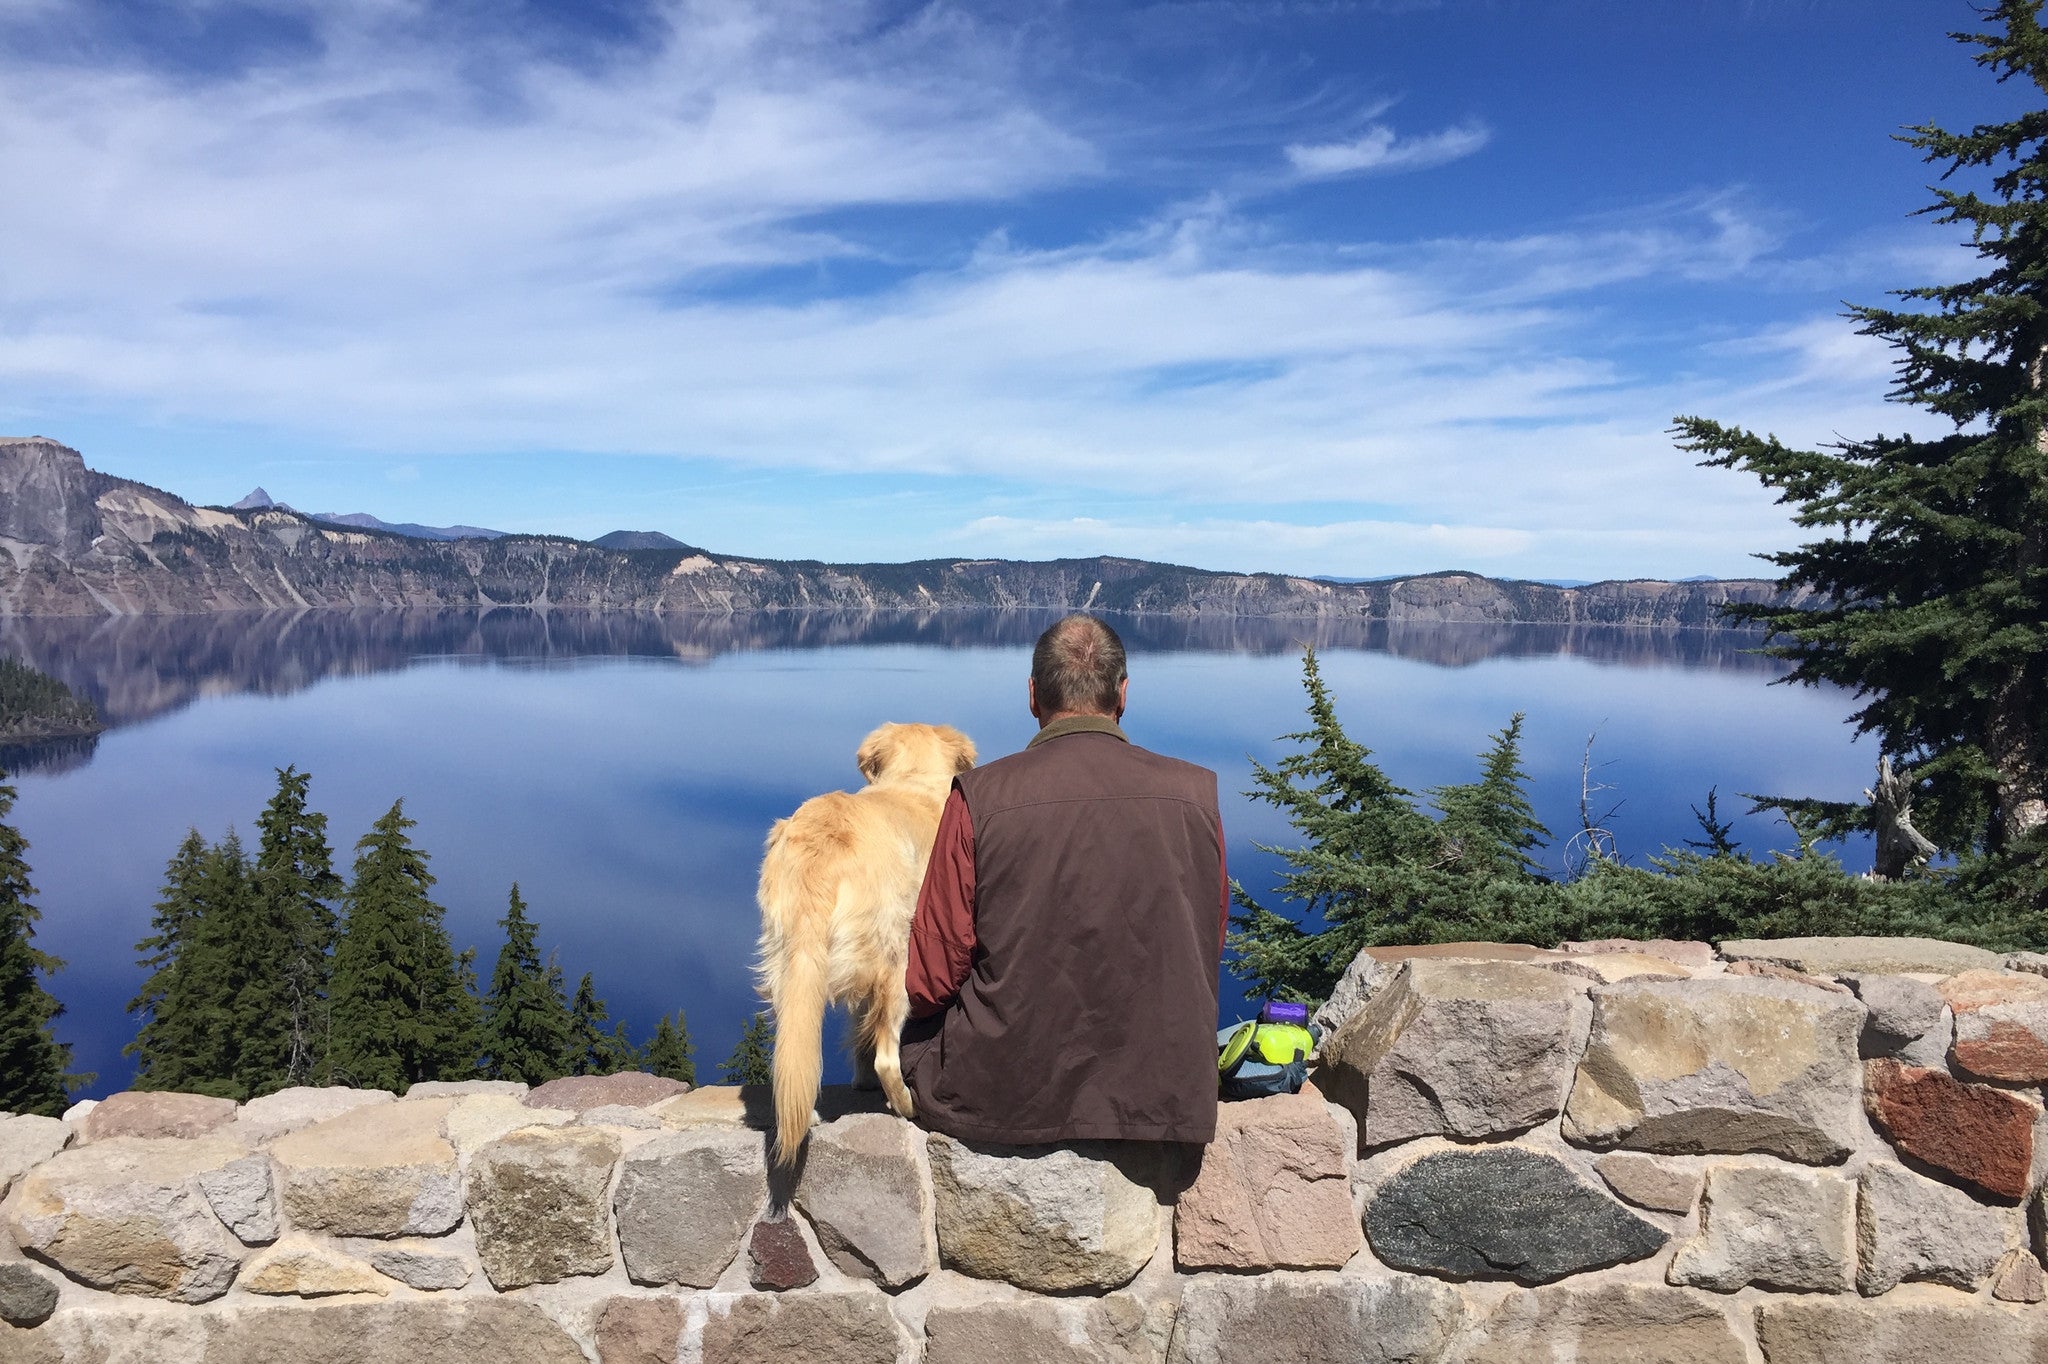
(670, 1051)
(595, 1047)
(525, 1018)
(295, 877)
(752, 1060)
(1928, 595)
(213, 1021)
(166, 1046)
(397, 997)
(247, 939)
(1488, 828)
(32, 1061)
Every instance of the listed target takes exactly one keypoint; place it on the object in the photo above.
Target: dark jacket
(1066, 946)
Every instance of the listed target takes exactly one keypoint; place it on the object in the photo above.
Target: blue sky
(1311, 287)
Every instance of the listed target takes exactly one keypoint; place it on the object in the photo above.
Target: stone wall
(1792, 1151)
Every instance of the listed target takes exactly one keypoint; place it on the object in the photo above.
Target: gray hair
(1077, 665)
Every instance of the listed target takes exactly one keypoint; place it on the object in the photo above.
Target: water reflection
(137, 667)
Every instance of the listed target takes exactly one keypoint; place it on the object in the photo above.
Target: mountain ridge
(81, 542)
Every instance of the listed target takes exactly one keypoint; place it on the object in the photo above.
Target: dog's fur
(838, 890)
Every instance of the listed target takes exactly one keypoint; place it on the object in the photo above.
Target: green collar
(1078, 724)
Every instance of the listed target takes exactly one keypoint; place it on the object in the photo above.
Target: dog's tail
(800, 1033)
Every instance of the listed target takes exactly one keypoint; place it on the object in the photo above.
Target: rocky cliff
(1799, 1151)
(81, 543)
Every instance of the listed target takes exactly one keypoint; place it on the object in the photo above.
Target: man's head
(1077, 668)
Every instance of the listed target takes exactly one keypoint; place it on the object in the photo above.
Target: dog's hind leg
(890, 1010)
(864, 1057)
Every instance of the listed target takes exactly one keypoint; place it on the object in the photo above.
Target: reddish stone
(777, 1257)
(2001, 1024)
(639, 1331)
(136, 1113)
(581, 1093)
(1972, 1133)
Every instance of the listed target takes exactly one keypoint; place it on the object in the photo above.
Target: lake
(625, 769)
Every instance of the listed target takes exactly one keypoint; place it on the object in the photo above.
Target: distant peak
(638, 539)
(257, 500)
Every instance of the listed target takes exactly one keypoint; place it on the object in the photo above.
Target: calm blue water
(624, 770)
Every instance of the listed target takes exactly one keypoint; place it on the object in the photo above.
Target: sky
(1311, 287)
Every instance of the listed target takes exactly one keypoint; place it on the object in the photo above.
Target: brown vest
(1090, 1009)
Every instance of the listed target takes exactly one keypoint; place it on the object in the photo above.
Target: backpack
(1255, 1060)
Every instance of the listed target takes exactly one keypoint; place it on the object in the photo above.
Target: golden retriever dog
(838, 890)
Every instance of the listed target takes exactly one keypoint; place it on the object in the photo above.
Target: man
(1063, 959)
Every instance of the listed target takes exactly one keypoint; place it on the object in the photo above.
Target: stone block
(149, 1113)
(685, 1201)
(263, 1120)
(1360, 980)
(620, 1115)
(2033, 963)
(539, 1199)
(1501, 1212)
(300, 1266)
(1115, 1329)
(1908, 1227)
(1605, 1324)
(27, 1295)
(1314, 1318)
(1695, 957)
(1974, 1135)
(708, 1106)
(1875, 956)
(462, 1089)
(1273, 1191)
(1648, 1182)
(793, 1328)
(1451, 1048)
(1904, 1013)
(419, 1264)
(127, 1214)
(631, 1088)
(1894, 1331)
(777, 1258)
(1720, 1065)
(640, 1331)
(477, 1120)
(866, 1189)
(377, 1171)
(243, 1195)
(1770, 970)
(1048, 1218)
(2001, 1025)
(398, 1330)
(2019, 1278)
(1606, 968)
(26, 1141)
(1771, 1226)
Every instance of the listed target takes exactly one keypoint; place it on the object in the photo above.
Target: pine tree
(248, 940)
(594, 1047)
(1488, 827)
(752, 1059)
(397, 997)
(166, 1043)
(200, 997)
(670, 1051)
(525, 1019)
(32, 1061)
(1928, 595)
(295, 876)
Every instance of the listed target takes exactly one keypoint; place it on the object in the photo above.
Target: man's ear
(1031, 696)
(1123, 696)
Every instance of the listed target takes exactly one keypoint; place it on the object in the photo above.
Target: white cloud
(1379, 148)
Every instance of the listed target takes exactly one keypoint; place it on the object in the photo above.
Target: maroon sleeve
(942, 934)
(1223, 863)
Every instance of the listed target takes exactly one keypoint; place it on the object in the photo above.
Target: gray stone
(127, 1215)
(2033, 963)
(1727, 1065)
(2001, 1025)
(1693, 956)
(1501, 1212)
(1115, 1329)
(26, 1141)
(1891, 1331)
(1273, 1191)
(263, 1120)
(718, 1174)
(416, 1265)
(632, 1088)
(443, 1330)
(1913, 1228)
(1047, 1218)
(1314, 1318)
(538, 1200)
(1876, 956)
(867, 1191)
(141, 1113)
(462, 1089)
(378, 1171)
(242, 1194)
(480, 1119)
(75, 1116)
(1902, 1011)
(789, 1328)
(1649, 1182)
(27, 1297)
(1360, 981)
(1771, 1226)
(2019, 1278)
(1605, 1324)
(620, 1115)
(1455, 1048)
